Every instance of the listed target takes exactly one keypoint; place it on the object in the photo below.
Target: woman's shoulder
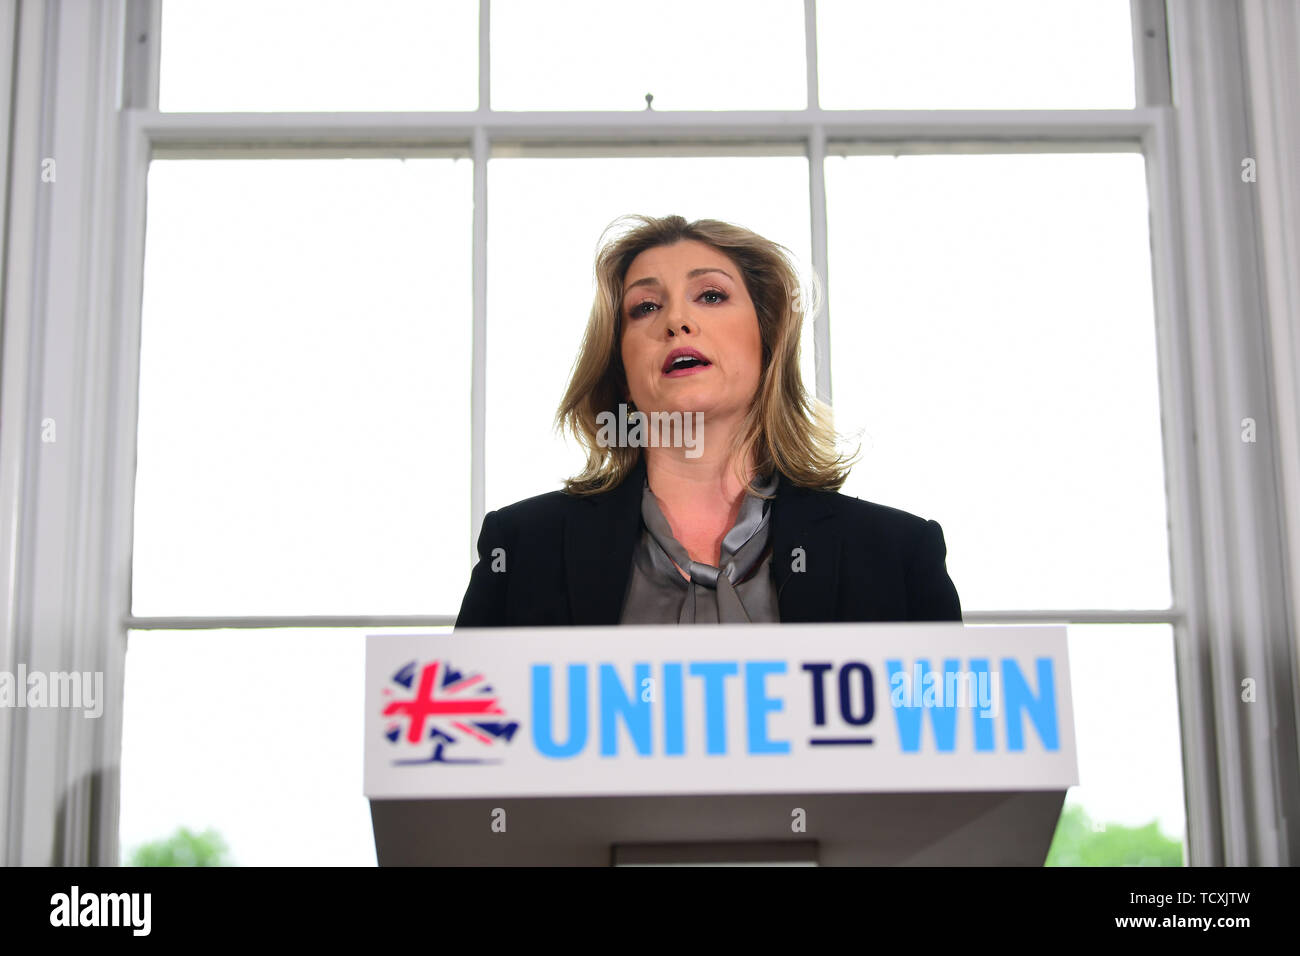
(549, 504)
(863, 514)
(875, 511)
(541, 511)
(870, 530)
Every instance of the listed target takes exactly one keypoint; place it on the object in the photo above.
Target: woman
(725, 508)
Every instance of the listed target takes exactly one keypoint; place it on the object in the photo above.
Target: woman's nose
(679, 324)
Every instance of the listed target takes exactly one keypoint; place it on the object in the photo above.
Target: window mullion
(810, 52)
(817, 201)
(484, 55)
(478, 356)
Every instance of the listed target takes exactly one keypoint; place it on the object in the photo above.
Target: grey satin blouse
(738, 592)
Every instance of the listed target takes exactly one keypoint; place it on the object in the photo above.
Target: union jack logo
(443, 707)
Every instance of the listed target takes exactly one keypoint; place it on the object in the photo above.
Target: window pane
(987, 54)
(596, 55)
(1130, 750)
(992, 333)
(280, 787)
(545, 218)
(304, 383)
(334, 55)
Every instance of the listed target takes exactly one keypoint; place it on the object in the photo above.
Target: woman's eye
(639, 310)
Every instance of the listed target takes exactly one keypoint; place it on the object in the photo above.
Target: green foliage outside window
(1081, 842)
(184, 848)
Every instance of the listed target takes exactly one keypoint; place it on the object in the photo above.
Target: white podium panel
(889, 743)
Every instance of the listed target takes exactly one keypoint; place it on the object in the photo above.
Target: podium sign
(731, 709)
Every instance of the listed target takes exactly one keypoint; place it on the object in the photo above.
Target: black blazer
(567, 560)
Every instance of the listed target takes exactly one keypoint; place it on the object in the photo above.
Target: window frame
(87, 578)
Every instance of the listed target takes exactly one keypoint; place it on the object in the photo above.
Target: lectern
(829, 744)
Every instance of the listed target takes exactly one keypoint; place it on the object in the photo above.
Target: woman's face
(689, 298)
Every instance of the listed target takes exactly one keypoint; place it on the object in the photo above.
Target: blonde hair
(786, 428)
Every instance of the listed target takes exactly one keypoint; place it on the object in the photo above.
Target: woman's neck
(700, 497)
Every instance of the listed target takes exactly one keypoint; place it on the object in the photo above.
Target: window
(995, 342)
(304, 364)
(595, 55)
(340, 308)
(1125, 696)
(953, 54)
(287, 55)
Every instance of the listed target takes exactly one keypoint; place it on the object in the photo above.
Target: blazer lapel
(600, 536)
(805, 554)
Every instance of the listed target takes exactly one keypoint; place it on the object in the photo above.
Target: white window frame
(86, 93)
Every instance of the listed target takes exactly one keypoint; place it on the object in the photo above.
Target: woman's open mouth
(682, 362)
